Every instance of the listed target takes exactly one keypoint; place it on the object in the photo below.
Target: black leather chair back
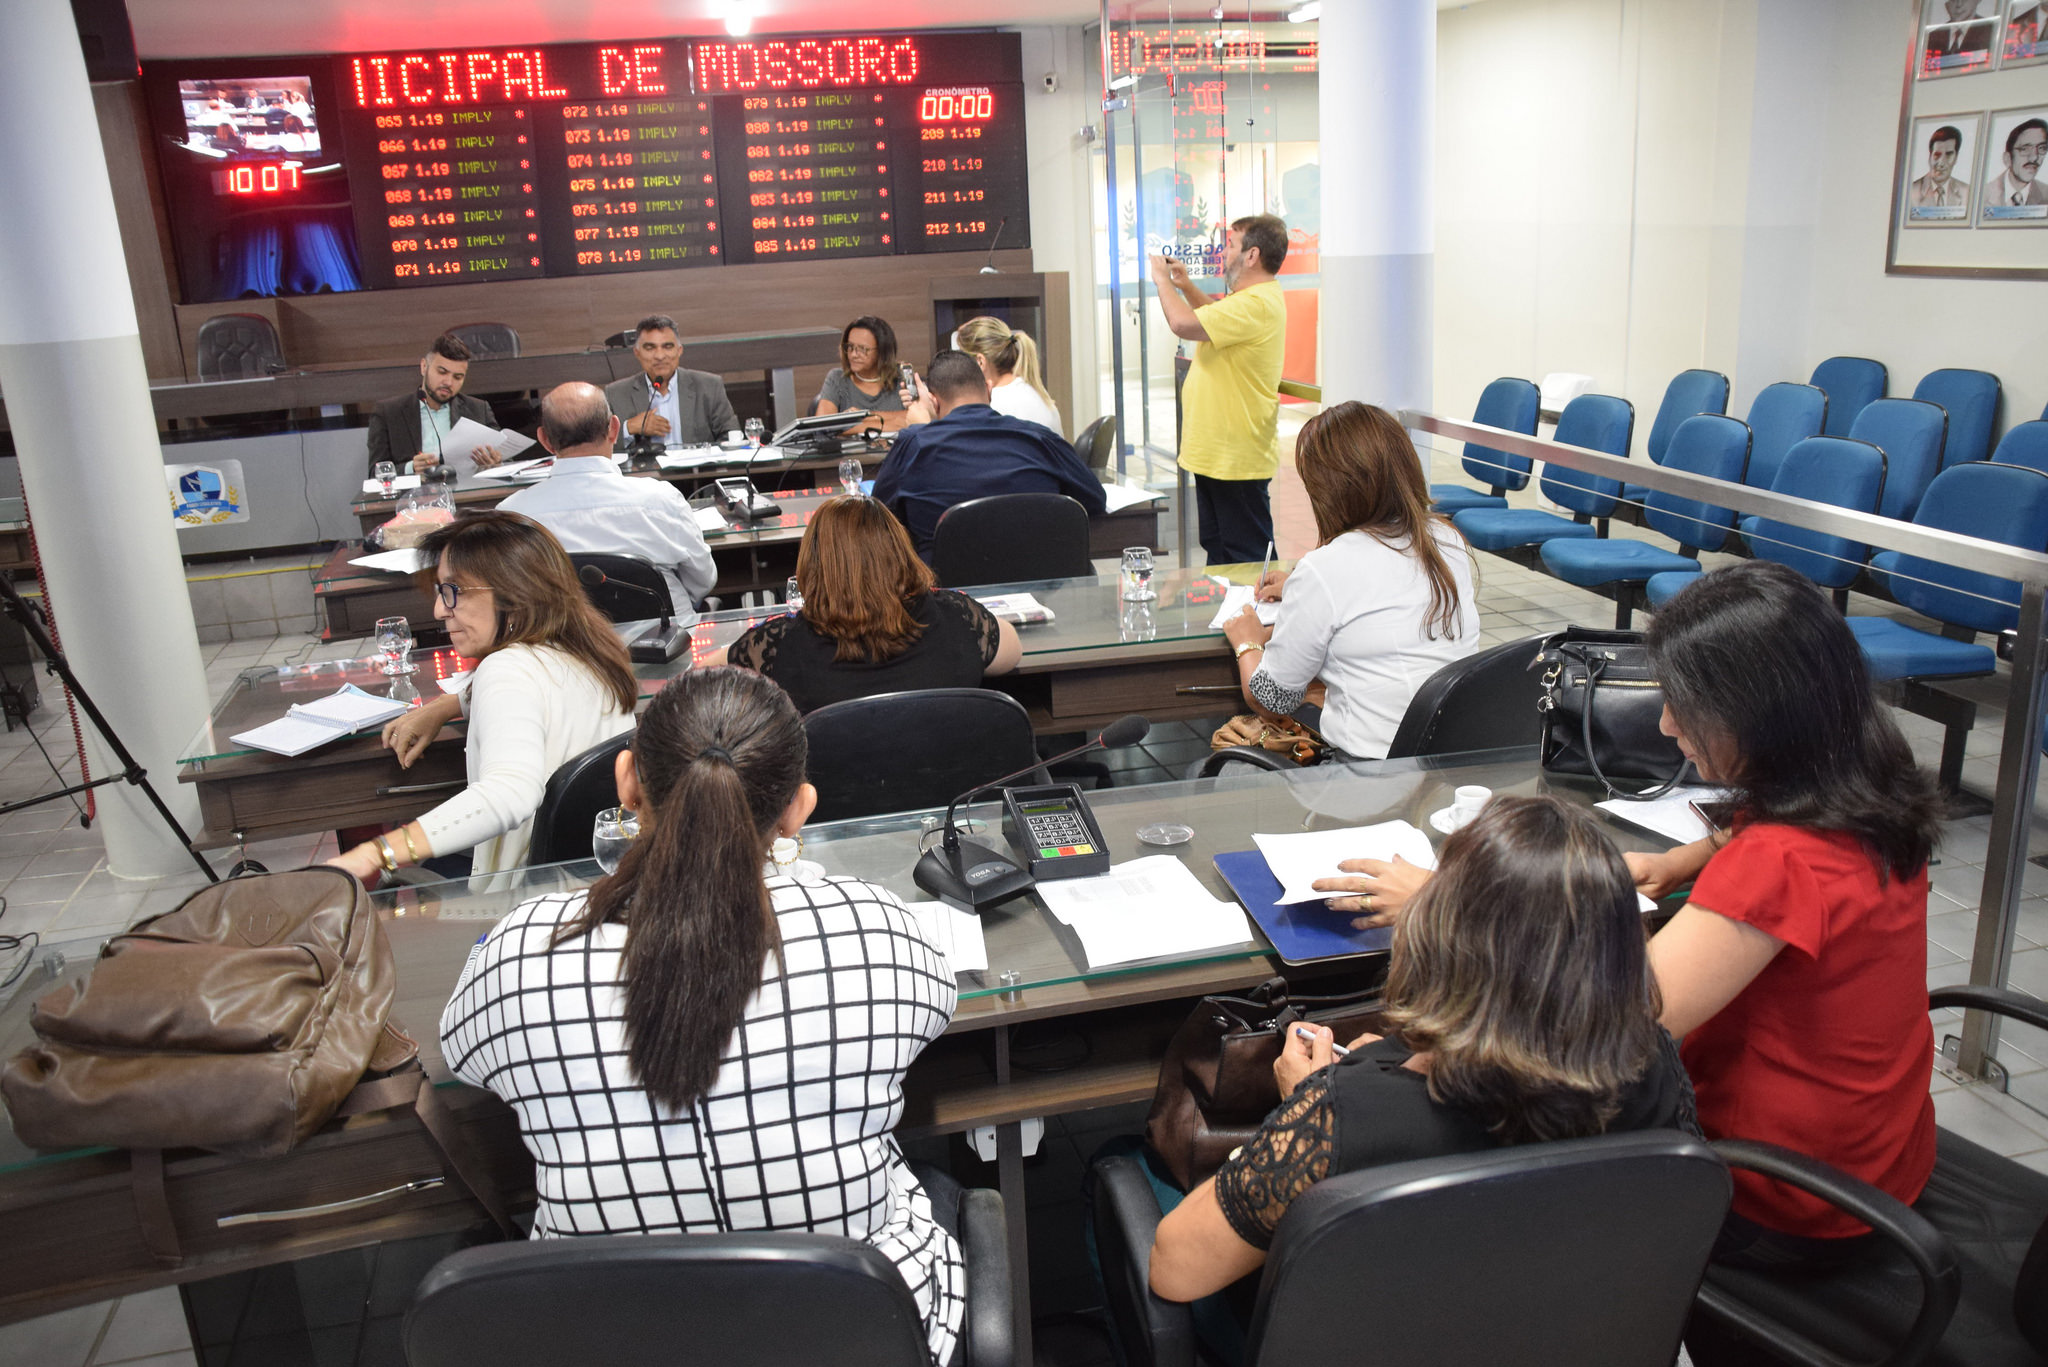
(1584, 1252)
(1008, 537)
(1097, 442)
(487, 341)
(238, 346)
(1486, 701)
(584, 786)
(615, 599)
(667, 1300)
(898, 752)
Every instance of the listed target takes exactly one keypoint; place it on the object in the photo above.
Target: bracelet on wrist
(386, 854)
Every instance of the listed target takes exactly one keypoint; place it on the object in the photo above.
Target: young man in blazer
(407, 430)
(682, 407)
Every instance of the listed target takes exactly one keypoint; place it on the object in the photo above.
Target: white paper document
(408, 560)
(1298, 860)
(398, 486)
(1117, 497)
(1671, 815)
(1235, 597)
(1143, 909)
(689, 457)
(308, 726)
(955, 932)
(710, 520)
(1022, 609)
(534, 468)
(469, 436)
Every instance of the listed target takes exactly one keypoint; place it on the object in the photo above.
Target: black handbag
(1600, 706)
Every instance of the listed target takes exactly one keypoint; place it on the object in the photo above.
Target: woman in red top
(1796, 972)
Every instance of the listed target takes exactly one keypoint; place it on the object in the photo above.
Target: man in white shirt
(2025, 147)
(591, 507)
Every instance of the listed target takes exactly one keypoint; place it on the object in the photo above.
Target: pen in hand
(1303, 1032)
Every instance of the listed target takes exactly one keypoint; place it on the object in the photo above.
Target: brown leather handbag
(1216, 1085)
(240, 1022)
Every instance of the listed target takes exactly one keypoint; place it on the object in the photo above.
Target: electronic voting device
(1056, 831)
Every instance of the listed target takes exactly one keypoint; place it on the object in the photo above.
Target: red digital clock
(957, 106)
(257, 178)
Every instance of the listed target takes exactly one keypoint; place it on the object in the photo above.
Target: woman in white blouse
(695, 1045)
(551, 681)
(1383, 601)
(1009, 362)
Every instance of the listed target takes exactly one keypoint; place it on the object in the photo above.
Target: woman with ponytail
(1009, 361)
(693, 1045)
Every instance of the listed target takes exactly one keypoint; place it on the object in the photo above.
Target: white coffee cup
(735, 437)
(1467, 800)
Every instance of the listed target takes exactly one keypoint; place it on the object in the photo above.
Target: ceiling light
(1306, 14)
(1122, 81)
(739, 18)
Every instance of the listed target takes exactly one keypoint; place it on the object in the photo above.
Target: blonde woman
(1009, 361)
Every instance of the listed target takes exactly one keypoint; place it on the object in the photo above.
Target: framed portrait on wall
(1940, 159)
(2024, 40)
(1958, 36)
(2014, 195)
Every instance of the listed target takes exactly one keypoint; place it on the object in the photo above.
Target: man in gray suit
(682, 407)
(1939, 188)
(2024, 148)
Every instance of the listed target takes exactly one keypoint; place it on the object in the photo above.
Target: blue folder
(1301, 932)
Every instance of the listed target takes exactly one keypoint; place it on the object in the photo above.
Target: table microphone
(995, 237)
(972, 874)
(658, 644)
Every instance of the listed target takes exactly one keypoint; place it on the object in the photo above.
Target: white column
(78, 402)
(1377, 100)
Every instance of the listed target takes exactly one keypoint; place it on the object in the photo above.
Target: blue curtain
(249, 260)
(323, 254)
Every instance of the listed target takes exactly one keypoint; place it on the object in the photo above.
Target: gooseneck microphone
(975, 875)
(993, 238)
(658, 644)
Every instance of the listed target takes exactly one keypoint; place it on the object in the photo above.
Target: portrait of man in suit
(2026, 31)
(1940, 188)
(2016, 193)
(1959, 35)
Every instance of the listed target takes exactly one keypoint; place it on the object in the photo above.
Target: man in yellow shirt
(1230, 402)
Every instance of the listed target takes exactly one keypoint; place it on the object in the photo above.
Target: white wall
(1057, 162)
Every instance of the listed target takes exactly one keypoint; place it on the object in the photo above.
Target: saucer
(1445, 819)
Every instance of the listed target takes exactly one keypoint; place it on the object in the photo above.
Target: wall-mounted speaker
(107, 38)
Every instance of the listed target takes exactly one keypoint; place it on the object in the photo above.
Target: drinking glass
(1137, 622)
(850, 474)
(386, 475)
(394, 643)
(616, 828)
(1137, 575)
(793, 597)
(755, 430)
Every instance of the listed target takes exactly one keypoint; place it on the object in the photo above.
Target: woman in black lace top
(1523, 1010)
(871, 621)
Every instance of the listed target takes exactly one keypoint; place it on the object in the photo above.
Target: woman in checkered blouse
(691, 1047)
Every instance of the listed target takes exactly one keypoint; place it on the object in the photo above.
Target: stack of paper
(1117, 497)
(1671, 815)
(1020, 608)
(308, 726)
(710, 520)
(1235, 596)
(955, 932)
(537, 468)
(689, 457)
(408, 560)
(398, 486)
(469, 436)
(1144, 909)
(1297, 861)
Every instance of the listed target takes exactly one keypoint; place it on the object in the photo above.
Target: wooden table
(72, 1237)
(1085, 667)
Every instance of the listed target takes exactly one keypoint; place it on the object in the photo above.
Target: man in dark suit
(2026, 31)
(407, 430)
(971, 451)
(1959, 38)
(682, 407)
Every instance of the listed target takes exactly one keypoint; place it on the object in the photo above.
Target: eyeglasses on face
(451, 594)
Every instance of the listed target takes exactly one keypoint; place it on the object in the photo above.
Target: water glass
(755, 430)
(850, 474)
(794, 597)
(616, 828)
(386, 475)
(394, 643)
(1137, 622)
(1137, 575)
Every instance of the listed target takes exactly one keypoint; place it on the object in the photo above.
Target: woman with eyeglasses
(866, 374)
(551, 680)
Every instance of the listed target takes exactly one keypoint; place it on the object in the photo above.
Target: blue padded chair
(2026, 444)
(1780, 417)
(1851, 382)
(1690, 392)
(1508, 403)
(1705, 444)
(1994, 502)
(1598, 422)
(1971, 398)
(1847, 474)
(1910, 433)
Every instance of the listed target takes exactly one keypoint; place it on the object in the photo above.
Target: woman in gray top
(866, 374)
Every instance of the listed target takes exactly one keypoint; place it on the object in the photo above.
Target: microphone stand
(658, 644)
(994, 237)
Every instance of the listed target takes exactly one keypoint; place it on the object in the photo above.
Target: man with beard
(408, 430)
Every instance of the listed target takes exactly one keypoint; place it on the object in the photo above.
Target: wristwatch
(1243, 646)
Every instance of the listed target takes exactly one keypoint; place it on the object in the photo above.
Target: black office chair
(1584, 1252)
(702, 1300)
(238, 346)
(576, 793)
(1486, 701)
(487, 341)
(898, 752)
(628, 580)
(1097, 442)
(1009, 537)
(1962, 1278)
